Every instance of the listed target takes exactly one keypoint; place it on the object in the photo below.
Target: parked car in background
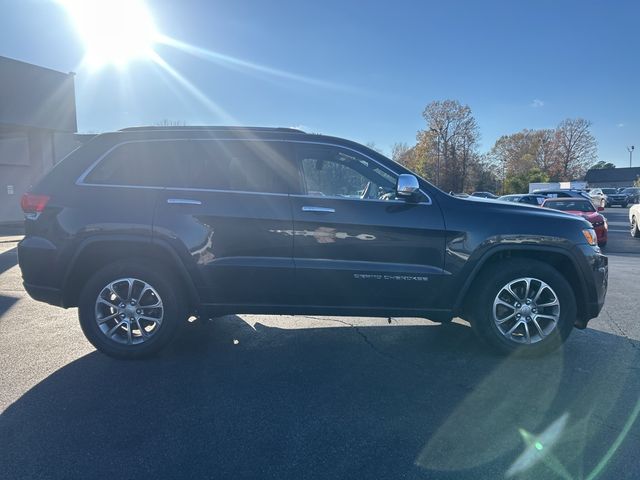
(484, 195)
(598, 197)
(142, 228)
(614, 197)
(634, 220)
(528, 198)
(632, 193)
(562, 193)
(585, 209)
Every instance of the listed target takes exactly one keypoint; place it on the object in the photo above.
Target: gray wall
(625, 183)
(32, 96)
(44, 150)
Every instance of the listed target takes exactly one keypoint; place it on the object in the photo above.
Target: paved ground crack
(371, 345)
(621, 330)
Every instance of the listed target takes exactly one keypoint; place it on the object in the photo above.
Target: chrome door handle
(183, 201)
(318, 209)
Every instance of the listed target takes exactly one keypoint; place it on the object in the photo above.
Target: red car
(583, 208)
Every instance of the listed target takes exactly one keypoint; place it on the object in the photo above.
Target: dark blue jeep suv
(144, 227)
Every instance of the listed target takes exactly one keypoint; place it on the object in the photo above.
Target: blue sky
(361, 70)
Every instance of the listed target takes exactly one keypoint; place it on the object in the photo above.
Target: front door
(355, 243)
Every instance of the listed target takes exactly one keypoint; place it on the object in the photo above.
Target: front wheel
(524, 307)
(130, 309)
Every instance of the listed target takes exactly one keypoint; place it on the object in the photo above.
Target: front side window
(333, 172)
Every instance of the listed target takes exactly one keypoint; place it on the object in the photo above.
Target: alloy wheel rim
(129, 311)
(526, 310)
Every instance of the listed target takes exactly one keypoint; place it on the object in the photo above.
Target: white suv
(598, 197)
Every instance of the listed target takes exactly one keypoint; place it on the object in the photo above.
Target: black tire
(490, 285)
(625, 205)
(173, 305)
(635, 228)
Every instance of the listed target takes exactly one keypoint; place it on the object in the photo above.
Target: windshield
(631, 190)
(571, 205)
(609, 191)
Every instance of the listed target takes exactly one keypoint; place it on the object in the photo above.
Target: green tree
(519, 183)
(601, 164)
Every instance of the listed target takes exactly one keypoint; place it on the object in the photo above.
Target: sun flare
(113, 32)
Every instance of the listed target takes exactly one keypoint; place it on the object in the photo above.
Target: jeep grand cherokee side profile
(143, 227)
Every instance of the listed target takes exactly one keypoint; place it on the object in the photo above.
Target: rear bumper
(37, 259)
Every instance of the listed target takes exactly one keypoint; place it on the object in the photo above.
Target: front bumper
(595, 273)
(52, 296)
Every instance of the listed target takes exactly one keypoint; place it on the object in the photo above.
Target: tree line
(446, 152)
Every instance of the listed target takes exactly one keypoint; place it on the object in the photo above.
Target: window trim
(80, 181)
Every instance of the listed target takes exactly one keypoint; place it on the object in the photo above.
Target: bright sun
(113, 32)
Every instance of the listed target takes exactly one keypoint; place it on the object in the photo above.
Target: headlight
(590, 236)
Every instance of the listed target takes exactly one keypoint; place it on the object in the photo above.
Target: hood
(591, 217)
(521, 209)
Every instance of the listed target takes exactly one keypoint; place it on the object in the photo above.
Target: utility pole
(630, 149)
(437, 132)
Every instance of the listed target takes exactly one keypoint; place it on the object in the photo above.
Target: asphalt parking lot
(321, 397)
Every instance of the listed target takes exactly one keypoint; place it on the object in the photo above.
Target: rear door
(228, 214)
(355, 244)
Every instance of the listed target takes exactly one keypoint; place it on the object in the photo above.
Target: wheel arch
(94, 253)
(558, 258)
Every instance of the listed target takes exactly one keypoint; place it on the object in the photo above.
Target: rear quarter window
(142, 164)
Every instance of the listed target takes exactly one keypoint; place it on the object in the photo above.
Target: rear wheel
(635, 229)
(524, 307)
(130, 309)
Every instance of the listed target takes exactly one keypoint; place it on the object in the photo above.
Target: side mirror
(407, 185)
(601, 209)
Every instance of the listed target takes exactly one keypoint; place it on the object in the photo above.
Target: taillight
(32, 203)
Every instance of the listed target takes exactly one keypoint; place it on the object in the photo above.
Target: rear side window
(205, 164)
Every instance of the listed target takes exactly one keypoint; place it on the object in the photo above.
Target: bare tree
(577, 147)
(399, 150)
(373, 146)
(165, 122)
(452, 135)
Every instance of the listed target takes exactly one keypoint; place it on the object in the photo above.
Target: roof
(567, 199)
(612, 174)
(36, 97)
(218, 128)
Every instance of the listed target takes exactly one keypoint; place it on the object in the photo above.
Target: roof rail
(222, 128)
